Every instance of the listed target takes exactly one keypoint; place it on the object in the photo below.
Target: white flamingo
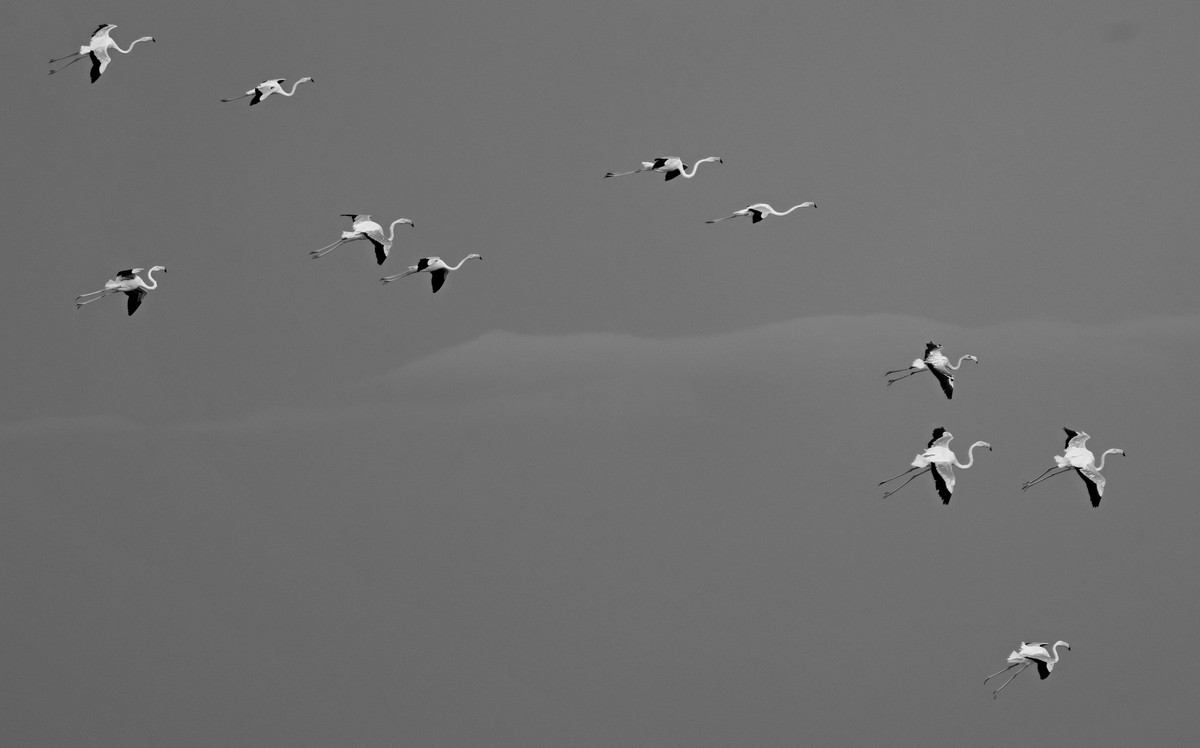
(268, 87)
(127, 282)
(1081, 459)
(939, 460)
(435, 266)
(937, 364)
(1030, 653)
(362, 227)
(758, 211)
(97, 49)
(672, 166)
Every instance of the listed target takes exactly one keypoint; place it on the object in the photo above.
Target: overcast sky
(615, 484)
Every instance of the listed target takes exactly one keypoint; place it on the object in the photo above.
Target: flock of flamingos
(937, 459)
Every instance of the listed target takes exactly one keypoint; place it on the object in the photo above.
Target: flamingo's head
(985, 444)
(474, 256)
(306, 79)
(969, 357)
(156, 268)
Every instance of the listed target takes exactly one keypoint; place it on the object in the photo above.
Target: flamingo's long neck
(131, 44)
(970, 457)
(683, 172)
(1054, 651)
(1107, 452)
(289, 93)
(392, 228)
(460, 263)
(960, 360)
(150, 276)
(789, 210)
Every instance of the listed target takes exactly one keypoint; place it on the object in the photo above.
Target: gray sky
(615, 484)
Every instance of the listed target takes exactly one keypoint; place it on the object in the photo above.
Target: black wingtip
(937, 434)
(942, 489)
(944, 380)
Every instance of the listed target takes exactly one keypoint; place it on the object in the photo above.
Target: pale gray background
(614, 485)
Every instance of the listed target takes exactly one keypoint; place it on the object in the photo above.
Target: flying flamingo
(672, 166)
(1030, 653)
(362, 227)
(97, 49)
(437, 269)
(1083, 461)
(939, 460)
(268, 87)
(127, 282)
(758, 211)
(937, 363)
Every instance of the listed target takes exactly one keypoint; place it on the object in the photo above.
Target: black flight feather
(135, 299)
(940, 484)
(439, 277)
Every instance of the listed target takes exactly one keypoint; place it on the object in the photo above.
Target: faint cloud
(1120, 32)
(761, 372)
(603, 374)
(61, 425)
(505, 361)
(279, 418)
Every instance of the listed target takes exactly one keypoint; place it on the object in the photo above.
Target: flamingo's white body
(758, 211)
(435, 266)
(127, 282)
(671, 166)
(268, 87)
(362, 227)
(1079, 458)
(97, 49)
(937, 364)
(939, 460)
(1030, 653)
